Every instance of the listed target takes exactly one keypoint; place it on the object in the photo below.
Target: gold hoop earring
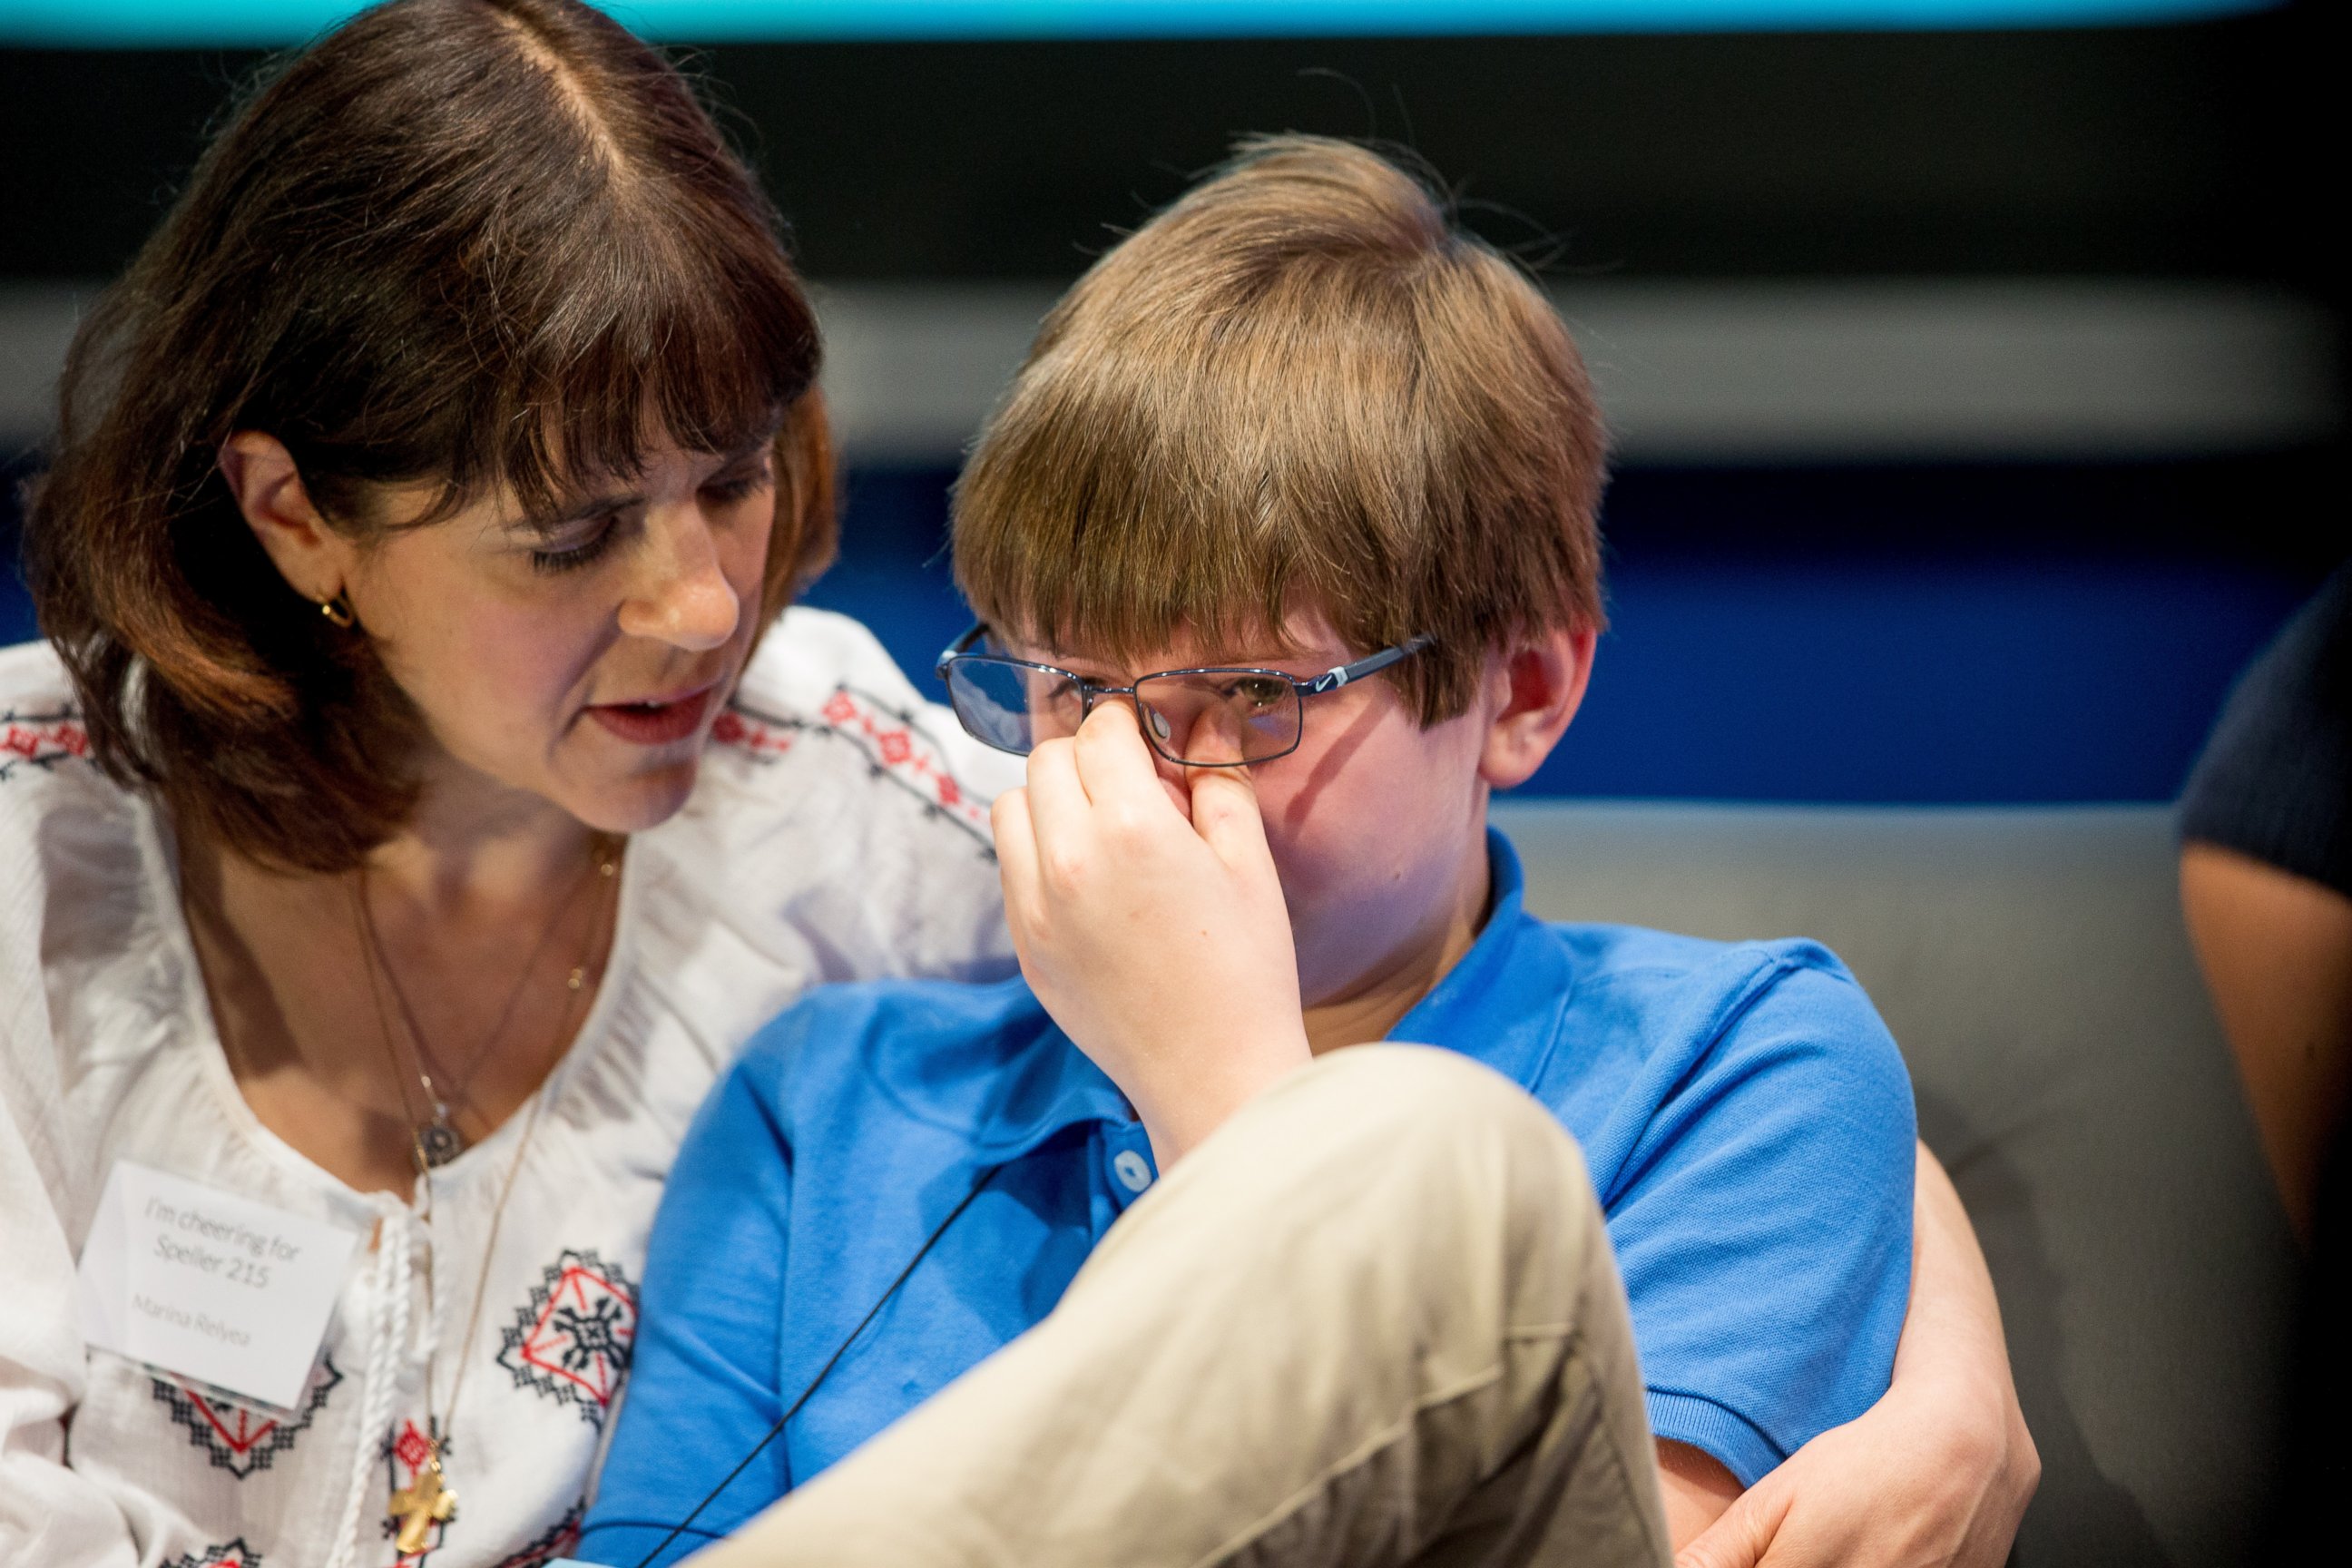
(338, 610)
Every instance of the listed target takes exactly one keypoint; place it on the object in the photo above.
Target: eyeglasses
(1210, 717)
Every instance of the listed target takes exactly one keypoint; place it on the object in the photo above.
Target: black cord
(681, 1526)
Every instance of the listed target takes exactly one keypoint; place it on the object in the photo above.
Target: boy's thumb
(1741, 1537)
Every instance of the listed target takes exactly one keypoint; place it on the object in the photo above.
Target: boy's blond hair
(1300, 386)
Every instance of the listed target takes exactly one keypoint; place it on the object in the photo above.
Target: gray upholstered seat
(2069, 1073)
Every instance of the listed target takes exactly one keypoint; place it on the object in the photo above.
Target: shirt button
(1133, 1172)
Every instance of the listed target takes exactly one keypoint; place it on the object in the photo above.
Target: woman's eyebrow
(596, 505)
(578, 512)
(750, 449)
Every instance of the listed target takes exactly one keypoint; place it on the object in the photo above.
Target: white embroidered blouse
(838, 830)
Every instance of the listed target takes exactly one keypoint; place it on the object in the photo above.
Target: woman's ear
(315, 561)
(1532, 692)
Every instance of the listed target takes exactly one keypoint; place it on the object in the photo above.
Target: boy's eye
(1259, 692)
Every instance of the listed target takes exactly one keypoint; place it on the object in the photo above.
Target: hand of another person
(1161, 945)
(1891, 1488)
(1939, 1472)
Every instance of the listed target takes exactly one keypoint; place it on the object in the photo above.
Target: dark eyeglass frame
(1332, 679)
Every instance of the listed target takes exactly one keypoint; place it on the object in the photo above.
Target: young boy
(1301, 478)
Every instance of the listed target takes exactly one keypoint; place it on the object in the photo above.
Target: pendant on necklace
(437, 1140)
(422, 1504)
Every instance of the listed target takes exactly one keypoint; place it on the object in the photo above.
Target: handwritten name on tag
(209, 1285)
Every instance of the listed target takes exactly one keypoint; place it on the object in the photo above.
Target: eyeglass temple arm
(1372, 663)
(961, 645)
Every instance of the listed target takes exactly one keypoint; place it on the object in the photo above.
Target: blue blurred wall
(1907, 634)
(1995, 635)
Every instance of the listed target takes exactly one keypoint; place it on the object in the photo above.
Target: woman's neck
(473, 846)
(441, 982)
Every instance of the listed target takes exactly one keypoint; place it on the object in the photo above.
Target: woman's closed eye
(728, 489)
(577, 544)
(584, 541)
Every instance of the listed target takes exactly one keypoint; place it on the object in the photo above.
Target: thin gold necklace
(428, 1499)
(436, 1133)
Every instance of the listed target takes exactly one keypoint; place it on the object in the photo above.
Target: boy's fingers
(1017, 847)
(1058, 800)
(1113, 760)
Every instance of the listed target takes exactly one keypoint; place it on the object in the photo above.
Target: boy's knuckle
(1126, 824)
(1064, 871)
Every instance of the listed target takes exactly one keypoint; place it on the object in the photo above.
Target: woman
(421, 496)
(406, 819)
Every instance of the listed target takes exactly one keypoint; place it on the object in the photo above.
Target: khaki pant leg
(1373, 1319)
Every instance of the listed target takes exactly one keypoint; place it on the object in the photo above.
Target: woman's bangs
(699, 346)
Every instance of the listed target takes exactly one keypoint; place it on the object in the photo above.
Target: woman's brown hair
(490, 245)
(1300, 386)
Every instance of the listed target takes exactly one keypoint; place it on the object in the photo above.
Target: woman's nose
(684, 598)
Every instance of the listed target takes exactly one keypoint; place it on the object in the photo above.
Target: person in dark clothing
(2266, 883)
(2266, 887)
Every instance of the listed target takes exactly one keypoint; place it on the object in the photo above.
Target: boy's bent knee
(1418, 1142)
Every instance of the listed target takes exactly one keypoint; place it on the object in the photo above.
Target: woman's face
(580, 658)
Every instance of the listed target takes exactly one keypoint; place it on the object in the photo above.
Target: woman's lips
(656, 723)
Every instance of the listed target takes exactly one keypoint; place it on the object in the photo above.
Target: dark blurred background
(1977, 388)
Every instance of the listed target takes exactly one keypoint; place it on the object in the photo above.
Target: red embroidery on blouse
(733, 729)
(40, 739)
(571, 1341)
(412, 1446)
(558, 1541)
(890, 739)
(905, 752)
(239, 1440)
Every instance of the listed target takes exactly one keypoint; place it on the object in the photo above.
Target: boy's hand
(1161, 945)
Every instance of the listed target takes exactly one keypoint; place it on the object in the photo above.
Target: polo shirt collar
(1025, 1086)
(1502, 1002)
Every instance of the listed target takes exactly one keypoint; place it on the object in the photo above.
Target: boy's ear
(1532, 692)
(313, 558)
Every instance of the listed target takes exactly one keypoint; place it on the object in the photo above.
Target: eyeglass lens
(1205, 719)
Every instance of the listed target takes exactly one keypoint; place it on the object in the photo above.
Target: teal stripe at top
(230, 23)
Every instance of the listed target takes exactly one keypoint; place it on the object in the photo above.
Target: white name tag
(209, 1285)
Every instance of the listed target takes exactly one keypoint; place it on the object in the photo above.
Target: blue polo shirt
(1745, 1115)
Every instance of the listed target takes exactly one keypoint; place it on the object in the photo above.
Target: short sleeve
(2275, 780)
(1763, 1228)
(890, 808)
(702, 1390)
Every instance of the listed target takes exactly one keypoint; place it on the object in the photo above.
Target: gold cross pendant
(421, 1505)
